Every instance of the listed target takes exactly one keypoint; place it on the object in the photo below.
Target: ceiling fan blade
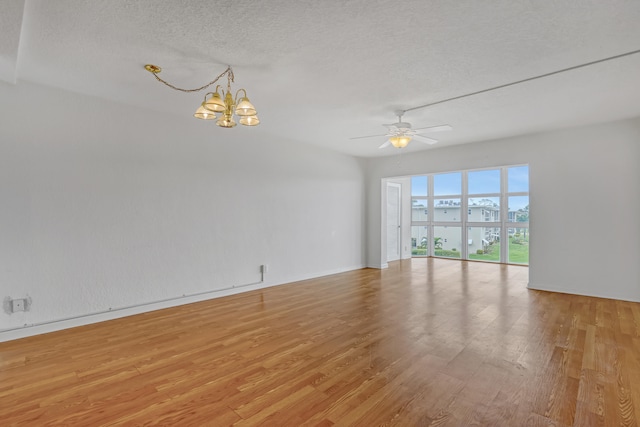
(386, 144)
(425, 139)
(439, 128)
(368, 136)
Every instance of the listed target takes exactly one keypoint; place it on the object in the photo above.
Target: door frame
(399, 221)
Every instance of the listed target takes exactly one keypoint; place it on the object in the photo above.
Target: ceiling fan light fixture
(400, 141)
(401, 133)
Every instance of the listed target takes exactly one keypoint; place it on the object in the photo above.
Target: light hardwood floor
(428, 342)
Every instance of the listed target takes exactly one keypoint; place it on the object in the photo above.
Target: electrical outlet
(18, 305)
(263, 268)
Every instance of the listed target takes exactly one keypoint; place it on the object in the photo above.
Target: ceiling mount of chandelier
(220, 101)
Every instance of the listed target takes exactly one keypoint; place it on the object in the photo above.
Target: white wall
(585, 201)
(105, 206)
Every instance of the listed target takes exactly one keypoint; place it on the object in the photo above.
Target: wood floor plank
(428, 342)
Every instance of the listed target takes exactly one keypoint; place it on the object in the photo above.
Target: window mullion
(464, 216)
(504, 214)
(430, 228)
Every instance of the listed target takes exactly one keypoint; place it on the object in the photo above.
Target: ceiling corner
(11, 16)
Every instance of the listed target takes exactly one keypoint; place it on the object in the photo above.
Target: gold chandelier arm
(243, 91)
(155, 70)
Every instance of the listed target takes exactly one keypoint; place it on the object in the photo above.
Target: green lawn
(444, 252)
(518, 252)
(493, 254)
(438, 252)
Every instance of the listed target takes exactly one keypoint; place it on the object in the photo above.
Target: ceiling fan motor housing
(400, 129)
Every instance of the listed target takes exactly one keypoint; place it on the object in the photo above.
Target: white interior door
(393, 221)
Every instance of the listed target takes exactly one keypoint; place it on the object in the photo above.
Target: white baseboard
(315, 275)
(90, 318)
(378, 266)
(538, 287)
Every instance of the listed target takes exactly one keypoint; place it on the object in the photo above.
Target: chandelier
(220, 101)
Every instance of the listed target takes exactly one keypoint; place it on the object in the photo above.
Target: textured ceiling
(10, 25)
(321, 72)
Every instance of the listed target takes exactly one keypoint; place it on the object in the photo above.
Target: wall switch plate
(18, 305)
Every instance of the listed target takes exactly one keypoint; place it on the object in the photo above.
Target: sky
(480, 182)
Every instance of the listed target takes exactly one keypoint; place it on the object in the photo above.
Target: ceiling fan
(401, 133)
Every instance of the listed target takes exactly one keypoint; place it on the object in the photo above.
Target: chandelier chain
(228, 72)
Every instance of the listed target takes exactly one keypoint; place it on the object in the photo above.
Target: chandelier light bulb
(204, 114)
(215, 103)
(249, 120)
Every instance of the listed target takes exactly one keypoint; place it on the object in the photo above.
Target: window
(484, 243)
(496, 227)
(419, 216)
(484, 208)
(518, 179)
(447, 184)
(419, 186)
(484, 181)
(518, 214)
(447, 241)
(419, 240)
(419, 211)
